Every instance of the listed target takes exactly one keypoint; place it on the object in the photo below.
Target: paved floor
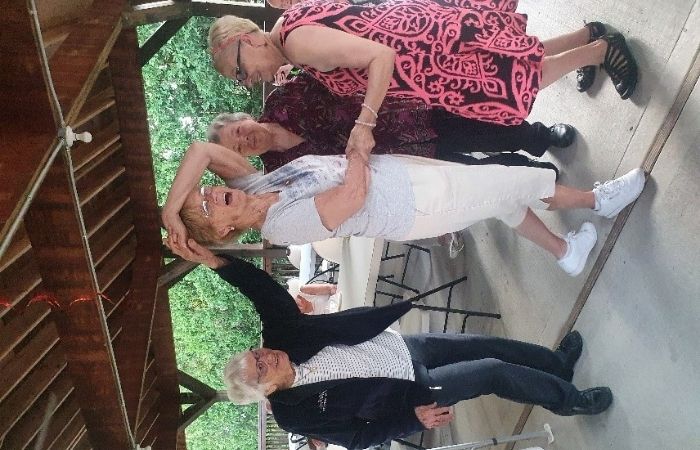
(640, 320)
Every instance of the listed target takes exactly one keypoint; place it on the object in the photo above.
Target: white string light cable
(65, 134)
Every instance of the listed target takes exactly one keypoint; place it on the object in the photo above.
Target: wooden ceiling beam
(168, 10)
(167, 382)
(78, 61)
(28, 138)
(131, 349)
(56, 230)
(159, 38)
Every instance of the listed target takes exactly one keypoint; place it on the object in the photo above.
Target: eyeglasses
(204, 190)
(240, 73)
(260, 366)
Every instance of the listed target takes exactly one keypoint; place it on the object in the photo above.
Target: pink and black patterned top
(472, 58)
(305, 107)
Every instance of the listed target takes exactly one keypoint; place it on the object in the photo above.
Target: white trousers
(450, 197)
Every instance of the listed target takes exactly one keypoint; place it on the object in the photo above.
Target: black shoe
(571, 346)
(586, 75)
(620, 64)
(561, 135)
(589, 402)
(543, 165)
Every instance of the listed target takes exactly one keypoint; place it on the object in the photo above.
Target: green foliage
(211, 321)
(184, 94)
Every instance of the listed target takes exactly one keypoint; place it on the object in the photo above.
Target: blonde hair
(226, 27)
(240, 390)
(201, 230)
(221, 121)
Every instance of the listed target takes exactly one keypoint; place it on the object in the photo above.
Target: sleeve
(272, 301)
(296, 222)
(378, 432)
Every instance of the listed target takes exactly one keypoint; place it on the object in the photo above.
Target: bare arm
(319, 289)
(337, 49)
(199, 156)
(337, 205)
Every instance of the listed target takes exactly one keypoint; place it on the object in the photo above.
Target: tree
(210, 320)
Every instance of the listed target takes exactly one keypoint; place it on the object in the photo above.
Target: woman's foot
(561, 135)
(620, 65)
(586, 75)
(578, 246)
(612, 196)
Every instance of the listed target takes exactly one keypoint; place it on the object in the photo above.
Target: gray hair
(240, 390)
(221, 121)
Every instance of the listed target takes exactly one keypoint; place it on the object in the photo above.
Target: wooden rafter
(168, 10)
(241, 250)
(175, 271)
(78, 61)
(159, 38)
(204, 395)
(131, 349)
(27, 127)
(56, 231)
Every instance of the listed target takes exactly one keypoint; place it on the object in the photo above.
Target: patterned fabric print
(305, 107)
(493, 5)
(476, 63)
(385, 355)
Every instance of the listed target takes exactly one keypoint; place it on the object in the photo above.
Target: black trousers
(457, 135)
(467, 366)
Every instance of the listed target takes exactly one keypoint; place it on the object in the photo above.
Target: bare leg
(534, 230)
(570, 198)
(566, 42)
(555, 67)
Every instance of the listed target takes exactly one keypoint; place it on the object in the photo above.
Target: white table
(359, 269)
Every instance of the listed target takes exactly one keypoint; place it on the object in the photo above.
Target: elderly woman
(471, 58)
(397, 198)
(304, 118)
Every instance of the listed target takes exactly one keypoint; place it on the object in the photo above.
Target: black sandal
(620, 65)
(586, 75)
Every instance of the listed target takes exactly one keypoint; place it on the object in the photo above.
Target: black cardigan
(354, 413)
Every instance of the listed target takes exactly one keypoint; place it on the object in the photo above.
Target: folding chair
(447, 309)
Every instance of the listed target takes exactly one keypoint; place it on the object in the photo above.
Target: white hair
(239, 389)
(221, 121)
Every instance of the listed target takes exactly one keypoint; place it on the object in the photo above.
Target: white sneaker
(579, 245)
(613, 195)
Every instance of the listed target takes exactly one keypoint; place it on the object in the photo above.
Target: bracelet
(367, 124)
(369, 108)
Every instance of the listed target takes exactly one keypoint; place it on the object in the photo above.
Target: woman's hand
(282, 74)
(192, 251)
(433, 416)
(177, 232)
(361, 142)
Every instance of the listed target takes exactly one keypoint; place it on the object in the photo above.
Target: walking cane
(546, 433)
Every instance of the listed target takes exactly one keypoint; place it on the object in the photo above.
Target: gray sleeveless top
(388, 211)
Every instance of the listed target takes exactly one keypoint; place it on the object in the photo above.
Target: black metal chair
(447, 309)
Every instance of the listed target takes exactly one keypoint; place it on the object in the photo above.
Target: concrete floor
(640, 320)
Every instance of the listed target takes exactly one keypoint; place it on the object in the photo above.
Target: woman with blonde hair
(470, 58)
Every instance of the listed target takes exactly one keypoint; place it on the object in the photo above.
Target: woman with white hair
(398, 198)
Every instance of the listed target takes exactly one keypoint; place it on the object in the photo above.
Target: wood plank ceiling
(101, 359)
